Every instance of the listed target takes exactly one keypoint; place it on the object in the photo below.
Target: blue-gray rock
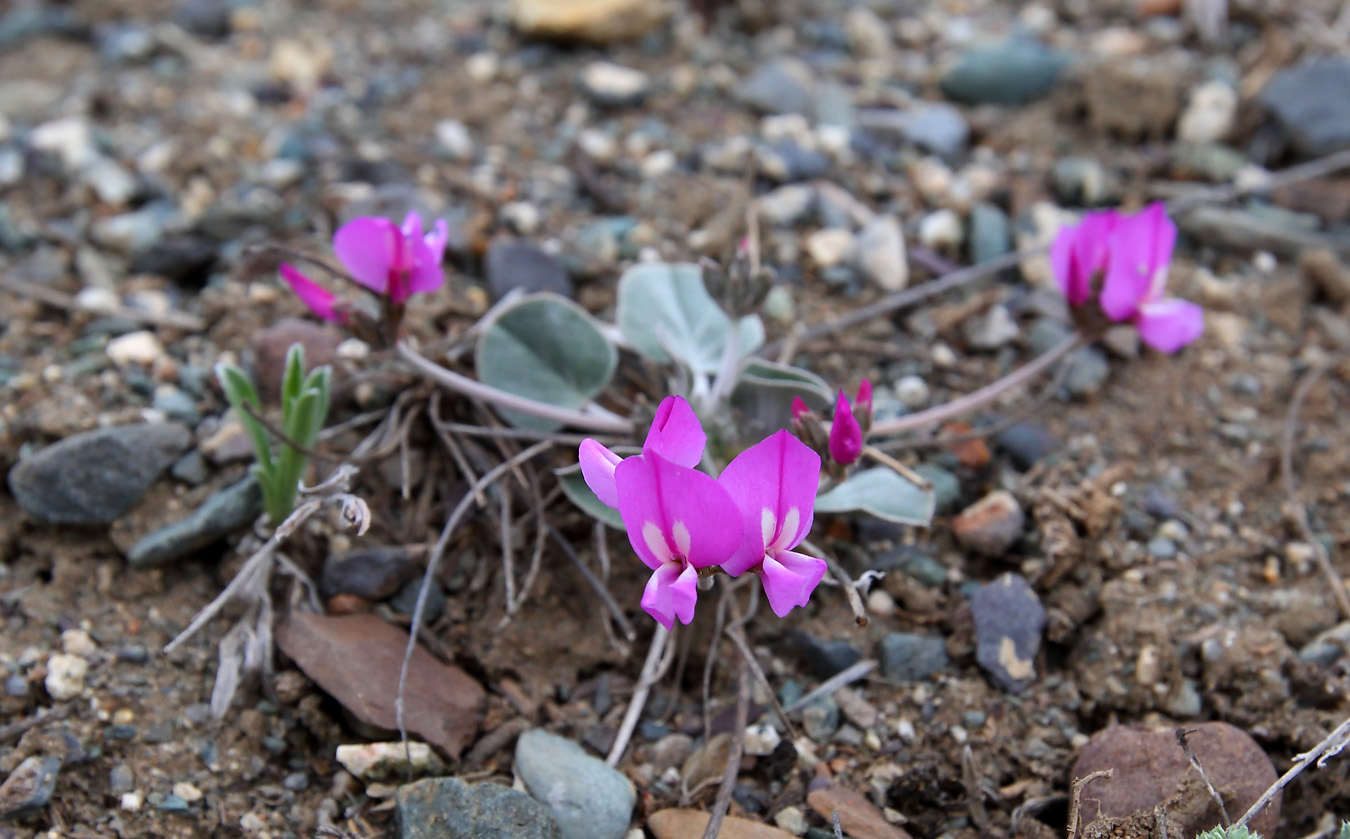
(908, 657)
(16, 686)
(588, 799)
(820, 719)
(121, 779)
(1011, 72)
(514, 263)
(1087, 371)
(191, 468)
(372, 573)
(935, 127)
(1045, 333)
(824, 658)
(1160, 505)
(232, 508)
(448, 808)
(785, 161)
(990, 232)
(204, 18)
(1162, 548)
(1026, 443)
(1311, 102)
(1080, 182)
(29, 787)
(778, 86)
(1009, 619)
(96, 476)
(176, 405)
(946, 486)
(1329, 646)
(405, 601)
(832, 104)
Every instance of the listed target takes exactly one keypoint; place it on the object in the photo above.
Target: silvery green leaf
(881, 492)
(575, 488)
(765, 389)
(663, 309)
(547, 349)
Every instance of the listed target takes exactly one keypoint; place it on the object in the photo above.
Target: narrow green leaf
(291, 462)
(294, 377)
(319, 381)
(239, 391)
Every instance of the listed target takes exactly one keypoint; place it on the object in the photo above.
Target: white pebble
(521, 216)
(912, 391)
(131, 801)
(792, 820)
(65, 676)
(598, 145)
(1210, 114)
(829, 247)
(905, 729)
(96, 299)
(454, 138)
(482, 66)
(135, 348)
(761, 740)
(942, 355)
(187, 792)
(369, 761)
(659, 164)
(880, 603)
(77, 642)
(941, 231)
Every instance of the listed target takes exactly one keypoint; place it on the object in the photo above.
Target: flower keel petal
(789, 579)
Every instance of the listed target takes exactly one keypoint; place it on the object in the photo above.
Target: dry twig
(1330, 746)
(733, 767)
(1076, 798)
(1182, 734)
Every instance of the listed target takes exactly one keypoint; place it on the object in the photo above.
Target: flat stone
(991, 525)
(824, 658)
(778, 86)
(1151, 769)
(1026, 443)
(909, 657)
(1012, 72)
(377, 761)
(448, 808)
(372, 573)
(1009, 619)
(860, 818)
(879, 254)
(96, 476)
(225, 512)
(513, 263)
(681, 823)
(271, 344)
(1311, 102)
(588, 798)
(29, 787)
(356, 660)
(590, 21)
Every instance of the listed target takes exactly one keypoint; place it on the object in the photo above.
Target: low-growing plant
(304, 408)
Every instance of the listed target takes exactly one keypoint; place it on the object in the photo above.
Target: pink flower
(774, 486)
(392, 261)
(1131, 254)
(320, 300)
(846, 432)
(678, 521)
(676, 435)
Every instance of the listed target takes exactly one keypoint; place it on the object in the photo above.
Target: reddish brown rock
(356, 660)
(991, 525)
(677, 823)
(270, 345)
(1150, 768)
(860, 818)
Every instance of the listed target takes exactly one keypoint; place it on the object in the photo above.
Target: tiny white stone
(658, 164)
(353, 349)
(829, 247)
(77, 642)
(598, 145)
(69, 138)
(65, 676)
(482, 66)
(521, 216)
(792, 820)
(96, 299)
(187, 792)
(912, 391)
(135, 348)
(380, 760)
(905, 729)
(880, 603)
(613, 83)
(131, 801)
(454, 138)
(1210, 114)
(761, 740)
(941, 230)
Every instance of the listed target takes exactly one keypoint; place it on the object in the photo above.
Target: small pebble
(141, 348)
(65, 676)
(913, 392)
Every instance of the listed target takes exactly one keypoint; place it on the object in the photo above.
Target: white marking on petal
(681, 534)
(790, 522)
(767, 523)
(656, 541)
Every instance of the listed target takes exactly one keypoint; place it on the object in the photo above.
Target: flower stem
(983, 396)
(477, 390)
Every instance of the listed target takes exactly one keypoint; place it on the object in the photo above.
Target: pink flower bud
(846, 439)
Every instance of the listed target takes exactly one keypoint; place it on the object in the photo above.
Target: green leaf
(318, 381)
(765, 389)
(301, 423)
(883, 493)
(294, 377)
(665, 306)
(547, 349)
(575, 488)
(1233, 833)
(239, 391)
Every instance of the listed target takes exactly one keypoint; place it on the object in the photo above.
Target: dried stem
(1330, 746)
(1186, 749)
(840, 575)
(733, 767)
(477, 390)
(1076, 798)
(651, 672)
(611, 605)
(1298, 508)
(843, 678)
(981, 397)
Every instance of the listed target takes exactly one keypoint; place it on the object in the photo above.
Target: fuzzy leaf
(883, 493)
(545, 348)
(666, 306)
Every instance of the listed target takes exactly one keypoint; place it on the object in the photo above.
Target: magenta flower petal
(676, 434)
(597, 467)
(436, 240)
(1079, 252)
(368, 248)
(865, 397)
(846, 440)
(1169, 325)
(1136, 271)
(674, 513)
(412, 226)
(774, 484)
(799, 409)
(789, 578)
(422, 269)
(319, 299)
(670, 594)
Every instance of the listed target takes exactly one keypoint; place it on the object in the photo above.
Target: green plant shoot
(304, 408)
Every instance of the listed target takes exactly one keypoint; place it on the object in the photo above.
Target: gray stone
(1012, 72)
(778, 86)
(1087, 371)
(1080, 182)
(96, 476)
(936, 127)
(513, 264)
(204, 18)
(908, 657)
(1045, 333)
(1026, 443)
(879, 254)
(785, 162)
(946, 486)
(588, 799)
(372, 573)
(991, 330)
(820, 719)
(1162, 548)
(1311, 102)
(448, 808)
(824, 658)
(191, 468)
(1328, 647)
(990, 232)
(223, 513)
(787, 206)
(405, 601)
(121, 779)
(29, 787)
(1009, 619)
(176, 405)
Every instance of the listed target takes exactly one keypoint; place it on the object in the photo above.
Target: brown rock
(860, 818)
(1150, 768)
(1327, 274)
(270, 346)
(593, 21)
(677, 823)
(991, 525)
(1134, 97)
(356, 660)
